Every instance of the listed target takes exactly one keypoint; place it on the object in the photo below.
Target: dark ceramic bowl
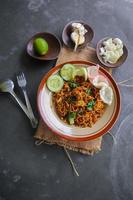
(53, 43)
(66, 34)
(118, 63)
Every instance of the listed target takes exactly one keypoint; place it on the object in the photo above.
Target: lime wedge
(66, 71)
(106, 94)
(81, 71)
(40, 46)
(55, 83)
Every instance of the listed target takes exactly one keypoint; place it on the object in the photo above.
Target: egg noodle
(82, 100)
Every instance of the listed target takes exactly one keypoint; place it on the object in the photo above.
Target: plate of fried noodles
(79, 100)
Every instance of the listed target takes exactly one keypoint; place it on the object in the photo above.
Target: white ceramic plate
(71, 132)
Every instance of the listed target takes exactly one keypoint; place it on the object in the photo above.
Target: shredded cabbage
(112, 50)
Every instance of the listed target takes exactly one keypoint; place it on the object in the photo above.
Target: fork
(22, 84)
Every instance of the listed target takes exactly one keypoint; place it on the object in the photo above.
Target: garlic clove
(74, 37)
(78, 33)
(81, 40)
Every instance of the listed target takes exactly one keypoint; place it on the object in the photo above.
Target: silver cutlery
(8, 87)
(22, 84)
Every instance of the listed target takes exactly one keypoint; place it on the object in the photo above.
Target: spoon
(8, 86)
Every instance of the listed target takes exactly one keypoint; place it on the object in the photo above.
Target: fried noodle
(76, 100)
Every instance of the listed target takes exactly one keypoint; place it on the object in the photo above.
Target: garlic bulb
(78, 33)
(77, 39)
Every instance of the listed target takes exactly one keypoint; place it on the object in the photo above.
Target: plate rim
(112, 121)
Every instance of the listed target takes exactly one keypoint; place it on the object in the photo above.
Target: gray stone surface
(28, 172)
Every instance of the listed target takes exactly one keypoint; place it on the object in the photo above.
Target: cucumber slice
(55, 83)
(66, 71)
(81, 71)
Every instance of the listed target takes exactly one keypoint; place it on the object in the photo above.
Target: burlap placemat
(47, 136)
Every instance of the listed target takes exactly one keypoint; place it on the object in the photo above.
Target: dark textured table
(28, 172)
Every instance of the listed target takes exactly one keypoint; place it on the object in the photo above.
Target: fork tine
(17, 78)
(19, 74)
(23, 75)
(20, 77)
(21, 80)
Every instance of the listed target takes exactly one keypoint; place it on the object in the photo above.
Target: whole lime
(40, 46)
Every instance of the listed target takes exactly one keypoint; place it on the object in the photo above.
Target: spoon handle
(21, 105)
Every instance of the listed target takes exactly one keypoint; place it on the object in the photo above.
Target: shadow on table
(29, 63)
